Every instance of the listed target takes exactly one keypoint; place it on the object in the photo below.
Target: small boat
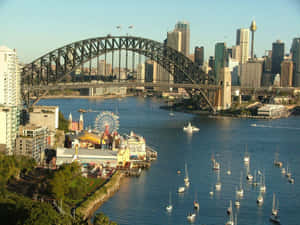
(181, 189)
(196, 205)
(288, 173)
(171, 114)
(215, 164)
(187, 183)
(169, 207)
(218, 185)
(178, 172)
(230, 221)
(254, 182)
(229, 209)
(191, 217)
(186, 179)
(253, 125)
(240, 192)
(260, 199)
(249, 177)
(246, 157)
(283, 171)
(81, 110)
(190, 129)
(291, 180)
(211, 193)
(237, 203)
(228, 172)
(277, 163)
(262, 187)
(274, 208)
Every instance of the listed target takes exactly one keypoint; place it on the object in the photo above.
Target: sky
(35, 27)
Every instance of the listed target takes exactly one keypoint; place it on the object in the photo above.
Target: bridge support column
(223, 97)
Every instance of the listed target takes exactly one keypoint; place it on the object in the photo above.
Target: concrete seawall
(93, 202)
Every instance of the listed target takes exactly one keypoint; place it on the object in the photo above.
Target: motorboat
(190, 129)
(191, 217)
(181, 189)
(169, 207)
(229, 209)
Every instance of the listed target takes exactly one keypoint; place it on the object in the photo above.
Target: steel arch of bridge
(55, 65)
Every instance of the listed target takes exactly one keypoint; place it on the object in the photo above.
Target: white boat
(218, 185)
(262, 187)
(254, 182)
(274, 208)
(237, 203)
(181, 189)
(191, 217)
(276, 161)
(240, 192)
(186, 178)
(190, 129)
(246, 157)
(288, 173)
(215, 164)
(229, 209)
(283, 171)
(169, 207)
(253, 125)
(211, 193)
(230, 221)
(291, 180)
(260, 199)
(196, 205)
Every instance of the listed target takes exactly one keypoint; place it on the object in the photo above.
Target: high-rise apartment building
(286, 75)
(184, 28)
(295, 50)
(277, 56)
(242, 39)
(150, 71)
(199, 56)
(10, 98)
(220, 59)
(236, 53)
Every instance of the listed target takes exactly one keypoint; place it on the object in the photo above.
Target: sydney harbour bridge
(49, 71)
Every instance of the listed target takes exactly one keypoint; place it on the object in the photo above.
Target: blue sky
(35, 27)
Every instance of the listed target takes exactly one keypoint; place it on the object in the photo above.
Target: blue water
(142, 200)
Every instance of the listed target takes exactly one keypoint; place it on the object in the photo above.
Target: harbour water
(143, 200)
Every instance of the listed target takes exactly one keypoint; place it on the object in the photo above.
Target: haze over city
(36, 27)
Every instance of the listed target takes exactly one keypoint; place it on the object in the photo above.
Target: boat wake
(277, 127)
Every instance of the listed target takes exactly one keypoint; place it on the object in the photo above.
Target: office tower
(220, 59)
(268, 62)
(174, 40)
(295, 50)
(105, 69)
(286, 78)
(236, 53)
(184, 28)
(199, 55)
(251, 73)
(277, 56)
(253, 29)
(242, 39)
(10, 98)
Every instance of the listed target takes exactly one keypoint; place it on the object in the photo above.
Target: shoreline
(88, 208)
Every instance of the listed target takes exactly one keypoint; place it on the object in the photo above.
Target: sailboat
(262, 187)
(218, 184)
(229, 209)
(216, 165)
(276, 161)
(249, 175)
(274, 215)
(186, 179)
(240, 192)
(254, 183)
(211, 193)
(191, 217)
(288, 172)
(196, 203)
(260, 199)
(230, 222)
(228, 170)
(246, 157)
(169, 207)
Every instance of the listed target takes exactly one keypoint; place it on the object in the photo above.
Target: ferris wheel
(107, 120)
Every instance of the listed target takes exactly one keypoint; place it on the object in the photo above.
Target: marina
(137, 197)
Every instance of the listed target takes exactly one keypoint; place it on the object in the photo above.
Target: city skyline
(35, 28)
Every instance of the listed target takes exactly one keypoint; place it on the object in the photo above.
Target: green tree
(63, 122)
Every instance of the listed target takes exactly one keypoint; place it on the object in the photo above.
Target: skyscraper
(174, 40)
(286, 75)
(242, 39)
(220, 59)
(295, 50)
(277, 56)
(199, 56)
(184, 28)
(10, 98)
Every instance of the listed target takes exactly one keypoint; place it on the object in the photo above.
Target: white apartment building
(10, 98)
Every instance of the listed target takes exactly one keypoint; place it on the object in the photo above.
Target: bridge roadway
(128, 84)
